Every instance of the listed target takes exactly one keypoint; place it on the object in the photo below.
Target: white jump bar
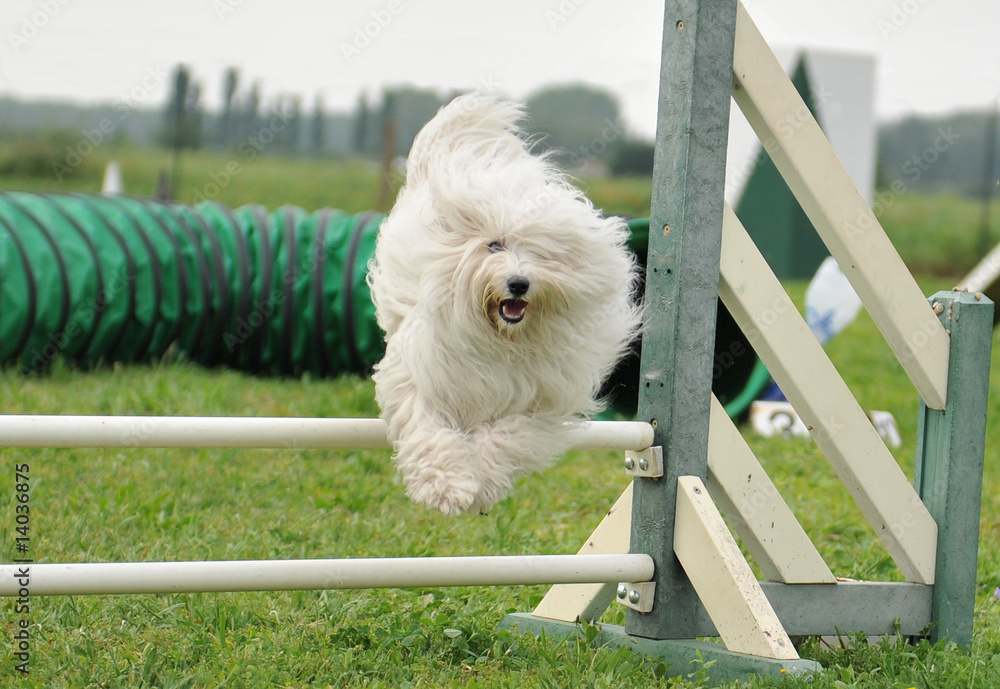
(297, 575)
(254, 432)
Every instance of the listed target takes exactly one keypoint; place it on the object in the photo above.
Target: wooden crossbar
(70, 579)
(59, 430)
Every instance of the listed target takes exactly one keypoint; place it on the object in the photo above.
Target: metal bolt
(643, 464)
(622, 590)
(629, 464)
(633, 597)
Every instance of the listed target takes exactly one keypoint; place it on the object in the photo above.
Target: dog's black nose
(518, 286)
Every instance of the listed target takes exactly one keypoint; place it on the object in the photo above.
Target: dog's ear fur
(473, 118)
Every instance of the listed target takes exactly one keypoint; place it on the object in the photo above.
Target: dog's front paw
(450, 492)
(493, 489)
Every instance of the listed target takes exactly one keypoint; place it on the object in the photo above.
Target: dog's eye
(495, 247)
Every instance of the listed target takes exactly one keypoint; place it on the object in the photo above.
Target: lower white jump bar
(297, 575)
(254, 432)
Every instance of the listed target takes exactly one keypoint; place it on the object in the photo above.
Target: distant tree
(317, 130)
(249, 116)
(183, 116)
(290, 108)
(231, 81)
(195, 117)
(183, 120)
(409, 109)
(929, 154)
(583, 123)
(632, 157)
(389, 121)
(362, 117)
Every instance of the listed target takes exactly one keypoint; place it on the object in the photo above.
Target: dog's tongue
(513, 309)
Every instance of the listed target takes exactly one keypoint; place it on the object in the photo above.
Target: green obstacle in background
(98, 279)
(103, 279)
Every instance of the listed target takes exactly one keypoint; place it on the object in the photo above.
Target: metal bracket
(638, 596)
(646, 464)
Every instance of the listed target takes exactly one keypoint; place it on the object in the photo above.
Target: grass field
(111, 505)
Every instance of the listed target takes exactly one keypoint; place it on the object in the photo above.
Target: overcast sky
(933, 56)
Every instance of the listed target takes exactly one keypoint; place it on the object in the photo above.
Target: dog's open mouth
(512, 310)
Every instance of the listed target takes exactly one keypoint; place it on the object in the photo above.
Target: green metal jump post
(949, 463)
(682, 291)
(682, 286)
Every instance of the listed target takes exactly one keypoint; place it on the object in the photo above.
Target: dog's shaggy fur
(505, 297)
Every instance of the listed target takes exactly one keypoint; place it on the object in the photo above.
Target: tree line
(582, 124)
(956, 152)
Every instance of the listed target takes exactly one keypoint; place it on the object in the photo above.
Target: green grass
(231, 178)
(110, 505)
(938, 234)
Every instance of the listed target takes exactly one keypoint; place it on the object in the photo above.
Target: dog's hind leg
(512, 446)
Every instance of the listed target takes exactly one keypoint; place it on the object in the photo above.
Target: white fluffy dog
(505, 297)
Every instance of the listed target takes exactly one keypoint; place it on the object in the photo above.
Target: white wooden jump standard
(712, 52)
(75, 579)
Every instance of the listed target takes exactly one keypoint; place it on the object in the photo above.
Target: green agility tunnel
(101, 279)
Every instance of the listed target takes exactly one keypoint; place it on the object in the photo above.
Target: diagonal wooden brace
(723, 579)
